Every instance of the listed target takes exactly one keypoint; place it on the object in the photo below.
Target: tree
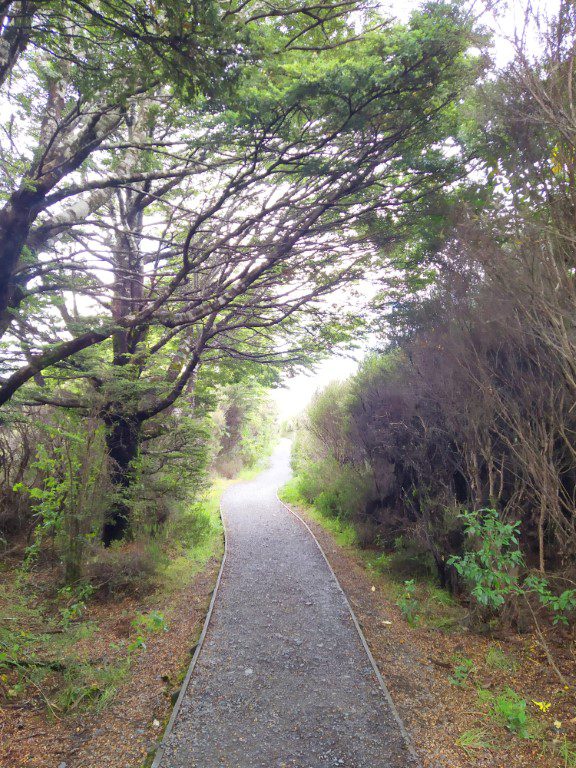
(224, 225)
(73, 100)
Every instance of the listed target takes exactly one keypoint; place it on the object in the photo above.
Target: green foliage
(137, 644)
(246, 428)
(560, 605)
(191, 525)
(39, 633)
(126, 569)
(76, 597)
(38, 655)
(89, 686)
(68, 500)
(409, 558)
(146, 623)
(509, 710)
(290, 493)
(171, 474)
(150, 622)
(494, 567)
(408, 603)
(343, 531)
(462, 671)
(337, 488)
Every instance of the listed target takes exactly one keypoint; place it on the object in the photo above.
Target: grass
(205, 542)
(38, 655)
(249, 473)
(89, 686)
(498, 660)
(45, 656)
(473, 740)
(566, 751)
(342, 530)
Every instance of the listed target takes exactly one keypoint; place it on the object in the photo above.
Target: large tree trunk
(122, 440)
(16, 218)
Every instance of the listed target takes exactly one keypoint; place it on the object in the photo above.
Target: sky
(293, 398)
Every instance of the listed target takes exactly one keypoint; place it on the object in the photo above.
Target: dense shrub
(123, 569)
(469, 403)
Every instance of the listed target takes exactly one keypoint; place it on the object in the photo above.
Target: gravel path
(282, 680)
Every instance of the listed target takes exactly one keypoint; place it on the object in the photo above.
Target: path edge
(159, 754)
(403, 730)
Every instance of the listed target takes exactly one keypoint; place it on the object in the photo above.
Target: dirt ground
(127, 731)
(417, 663)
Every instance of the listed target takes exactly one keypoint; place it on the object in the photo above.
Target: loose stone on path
(282, 680)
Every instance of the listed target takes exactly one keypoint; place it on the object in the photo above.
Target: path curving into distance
(282, 680)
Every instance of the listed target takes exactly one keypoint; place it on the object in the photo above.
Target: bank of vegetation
(182, 188)
(451, 453)
(78, 620)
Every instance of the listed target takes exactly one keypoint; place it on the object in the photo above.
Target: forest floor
(467, 700)
(95, 690)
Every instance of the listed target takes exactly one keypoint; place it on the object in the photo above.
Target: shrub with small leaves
(493, 566)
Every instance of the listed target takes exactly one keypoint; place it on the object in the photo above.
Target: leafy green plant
(72, 612)
(146, 622)
(76, 597)
(509, 710)
(138, 644)
(380, 563)
(559, 605)
(151, 622)
(68, 497)
(493, 567)
(490, 567)
(462, 671)
(408, 603)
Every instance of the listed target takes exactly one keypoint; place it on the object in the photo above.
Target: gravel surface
(282, 680)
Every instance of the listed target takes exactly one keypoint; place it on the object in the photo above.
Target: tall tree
(71, 73)
(224, 225)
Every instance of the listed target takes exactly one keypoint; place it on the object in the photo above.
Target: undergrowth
(46, 634)
(342, 530)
